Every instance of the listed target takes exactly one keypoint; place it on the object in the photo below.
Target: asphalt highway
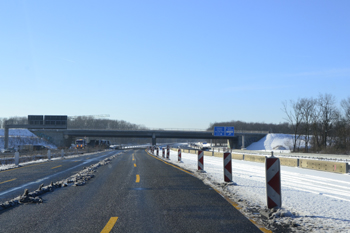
(14, 181)
(134, 193)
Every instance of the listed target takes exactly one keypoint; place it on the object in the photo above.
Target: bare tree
(15, 121)
(345, 104)
(329, 114)
(307, 108)
(294, 117)
(344, 127)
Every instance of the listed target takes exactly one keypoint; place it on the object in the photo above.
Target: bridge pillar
(154, 141)
(232, 143)
(243, 146)
(6, 146)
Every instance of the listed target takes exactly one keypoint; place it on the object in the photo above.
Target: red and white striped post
(179, 155)
(163, 150)
(227, 167)
(168, 154)
(273, 182)
(157, 151)
(200, 160)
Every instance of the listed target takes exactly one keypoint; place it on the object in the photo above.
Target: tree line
(254, 126)
(319, 123)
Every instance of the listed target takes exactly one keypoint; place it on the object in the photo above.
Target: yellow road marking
(109, 225)
(56, 166)
(8, 181)
(171, 164)
(137, 178)
(134, 164)
(87, 158)
(234, 204)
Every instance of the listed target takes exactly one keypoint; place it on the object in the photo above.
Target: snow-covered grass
(311, 200)
(22, 137)
(274, 141)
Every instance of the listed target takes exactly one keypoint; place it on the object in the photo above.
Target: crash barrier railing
(22, 157)
(329, 166)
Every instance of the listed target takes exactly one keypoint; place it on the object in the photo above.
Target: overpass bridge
(64, 137)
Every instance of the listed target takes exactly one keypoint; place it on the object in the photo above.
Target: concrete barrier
(289, 162)
(218, 154)
(254, 158)
(207, 153)
(320, 165)
(237, 156)
(328, 166)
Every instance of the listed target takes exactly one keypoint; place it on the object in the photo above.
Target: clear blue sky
(171, 64)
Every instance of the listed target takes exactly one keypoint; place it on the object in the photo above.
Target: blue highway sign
(224, 131)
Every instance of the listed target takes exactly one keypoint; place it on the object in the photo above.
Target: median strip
(8, 181)
(78, 179)
(110, 224)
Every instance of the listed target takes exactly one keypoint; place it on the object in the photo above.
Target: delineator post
(16, 158)
(273, 182)
(227, 167)
(200, 160)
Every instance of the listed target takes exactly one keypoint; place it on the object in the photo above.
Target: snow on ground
(22, 137)
(275, 141)
(17, 132)
(312, 201)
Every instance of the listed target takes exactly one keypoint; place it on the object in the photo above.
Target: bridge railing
(184, 130)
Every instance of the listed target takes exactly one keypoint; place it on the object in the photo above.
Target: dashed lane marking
(134, 164)
(56, 166)
(137, 178)
(110, 224)
(8, 181)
